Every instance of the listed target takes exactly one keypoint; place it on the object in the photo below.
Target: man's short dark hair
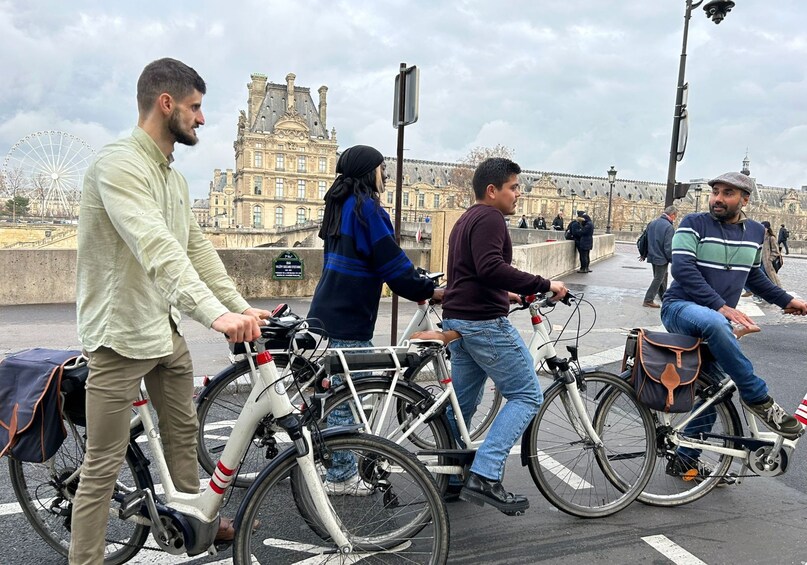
(166, 75)
(495, 171)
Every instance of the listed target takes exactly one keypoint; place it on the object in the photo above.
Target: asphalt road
(759, 521)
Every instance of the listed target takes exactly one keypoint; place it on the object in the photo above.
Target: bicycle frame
(756, 440)
(268, 395)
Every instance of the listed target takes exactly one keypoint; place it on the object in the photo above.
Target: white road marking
(672, 551)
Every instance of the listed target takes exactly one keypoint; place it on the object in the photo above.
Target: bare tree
(461, 194)
(14, 185)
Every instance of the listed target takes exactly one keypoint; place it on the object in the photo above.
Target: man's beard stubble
(185, 138)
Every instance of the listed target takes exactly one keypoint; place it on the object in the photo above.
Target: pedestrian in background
(782, 240)
(771, 256)
(539, 223)
(522, 223)
(557, 223)
(583, 234)
(659, 254)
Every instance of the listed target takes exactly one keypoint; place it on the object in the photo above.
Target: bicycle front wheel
(571, 470)
(218, 408)
(46, 490)
(402, 519)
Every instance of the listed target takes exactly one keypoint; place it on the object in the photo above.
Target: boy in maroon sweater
(475, 305)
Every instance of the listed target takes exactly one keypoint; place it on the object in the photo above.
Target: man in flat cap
(714, 255)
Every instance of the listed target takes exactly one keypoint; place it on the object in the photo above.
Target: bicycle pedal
(515, 513)
(131, 504)
(690, 475)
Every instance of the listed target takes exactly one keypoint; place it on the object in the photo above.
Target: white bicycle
(403, 518)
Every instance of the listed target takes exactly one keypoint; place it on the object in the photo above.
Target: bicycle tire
(428, 375)
(47, 500)
(217, 408)
(571, 472)
(409, 505)
(409, 400)
(664, 489)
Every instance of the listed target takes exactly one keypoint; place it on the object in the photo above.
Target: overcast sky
(571, 86)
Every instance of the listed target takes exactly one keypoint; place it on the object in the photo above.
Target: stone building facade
(285, 160)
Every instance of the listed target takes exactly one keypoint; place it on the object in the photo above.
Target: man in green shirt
(142, 260)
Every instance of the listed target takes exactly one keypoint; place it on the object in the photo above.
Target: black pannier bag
(664, 368)
(31, 427)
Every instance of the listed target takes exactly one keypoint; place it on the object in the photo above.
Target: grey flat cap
(737, 180)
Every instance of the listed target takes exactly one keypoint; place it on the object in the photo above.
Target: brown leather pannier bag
(665, 367)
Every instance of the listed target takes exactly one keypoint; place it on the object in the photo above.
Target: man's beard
(728, 213)
(185, 138)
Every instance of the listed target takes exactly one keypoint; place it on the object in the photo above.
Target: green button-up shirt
(141, 255)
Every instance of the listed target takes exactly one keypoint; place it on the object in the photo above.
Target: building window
(323, 165)
(321, 214)
(300, 215)
(217, 201)
(301, 163)
(322, 187)
(421, 200)
(436, 200)
(279, 216)
(259, 159)
(257, 220)
(257, 185)
(389, 197)
(279, 188)
(280, 162)
(301, 189)
(406, 199)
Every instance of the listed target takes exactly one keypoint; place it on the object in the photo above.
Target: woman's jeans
(688, 318)
(493, 348)
(344, 462)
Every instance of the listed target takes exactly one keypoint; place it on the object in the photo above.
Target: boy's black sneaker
(776, 419)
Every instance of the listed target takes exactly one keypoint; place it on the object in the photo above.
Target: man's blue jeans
(494, 348)
(688, 318)
(344, 462)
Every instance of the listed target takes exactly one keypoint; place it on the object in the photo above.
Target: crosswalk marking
(672, 551)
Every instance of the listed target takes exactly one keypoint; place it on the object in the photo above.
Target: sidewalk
(611, 296)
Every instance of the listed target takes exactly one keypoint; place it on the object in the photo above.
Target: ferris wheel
(47, 168)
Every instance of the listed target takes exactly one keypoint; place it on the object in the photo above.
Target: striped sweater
(713, 261)
(356, 264)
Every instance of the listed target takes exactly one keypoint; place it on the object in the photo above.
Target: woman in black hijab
(360, 255)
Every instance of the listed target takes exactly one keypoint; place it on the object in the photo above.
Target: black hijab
(355, 163)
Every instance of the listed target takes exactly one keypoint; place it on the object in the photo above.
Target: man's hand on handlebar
(257, 313)
(559, 289)
(797, 307)
(237, 327)
(515, 298)
(438, 294)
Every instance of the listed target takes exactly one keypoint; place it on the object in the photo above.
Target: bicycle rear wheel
(429, 375)
(45, 492)
(572, 472)
(407, 403)
(218, 408)
(683, 477)
(403, 520)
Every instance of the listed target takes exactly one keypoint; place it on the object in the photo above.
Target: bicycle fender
(238, 367)
(525, 437)
(281, 459)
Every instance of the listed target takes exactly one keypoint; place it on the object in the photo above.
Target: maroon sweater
(479, 272)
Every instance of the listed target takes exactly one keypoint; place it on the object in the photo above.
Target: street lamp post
(571, 214)
(698, 189)
(417, 196)
(611, 180)
(716, 10)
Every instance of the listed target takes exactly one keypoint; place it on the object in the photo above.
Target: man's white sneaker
(354, 486)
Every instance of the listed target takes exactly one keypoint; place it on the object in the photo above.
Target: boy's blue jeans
(494, 348)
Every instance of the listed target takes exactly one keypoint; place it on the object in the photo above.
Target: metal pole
(610, 195)
(398, 190)
(679, 99)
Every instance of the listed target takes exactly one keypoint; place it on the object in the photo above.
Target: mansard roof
(273, 107)
(201, 204)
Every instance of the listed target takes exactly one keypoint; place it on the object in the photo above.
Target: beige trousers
(112, 386)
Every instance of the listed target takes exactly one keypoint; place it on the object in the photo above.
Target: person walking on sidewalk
(771, 256)
(659, 254)
(715, 254)
(476, 305)
(782, 240)
(142, 259)
(557, 223)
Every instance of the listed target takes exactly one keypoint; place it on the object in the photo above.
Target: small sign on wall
(287, 266)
